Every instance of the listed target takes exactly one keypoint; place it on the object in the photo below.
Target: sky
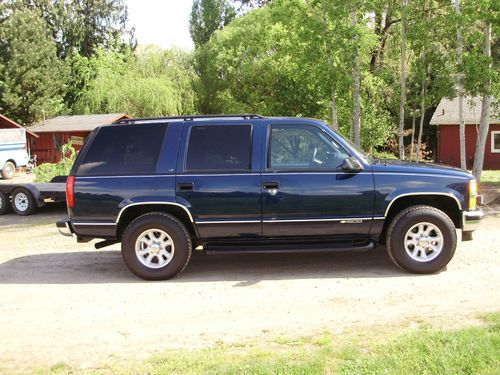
(161, 22)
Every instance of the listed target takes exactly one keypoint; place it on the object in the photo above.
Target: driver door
(305, 192)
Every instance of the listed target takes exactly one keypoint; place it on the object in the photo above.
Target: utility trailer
(26, 198)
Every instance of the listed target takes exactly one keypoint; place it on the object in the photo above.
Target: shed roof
(77, 123)
(447, 112)
(6, 122)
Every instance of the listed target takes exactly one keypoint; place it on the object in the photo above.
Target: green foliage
(85, 26)
(150, 82)
(31, 75)
(47, 171)
(207, 16)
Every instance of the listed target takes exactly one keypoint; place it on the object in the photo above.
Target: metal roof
(447, 112)
(9, 124)
(76, 123)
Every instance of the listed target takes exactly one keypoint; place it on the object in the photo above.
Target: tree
(403, 82)
(485, 108)
(85, 25)
(356, 84)
(146, 83)
(463, 163)
(31, 75)
(207, 16)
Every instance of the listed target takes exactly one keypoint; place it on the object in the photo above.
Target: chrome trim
(81, 223)
(126, 176)
(227, 221)
(64, 230)
(144, 203)
(471, 220)
(309, 220)
(421, 174)
(422, 193)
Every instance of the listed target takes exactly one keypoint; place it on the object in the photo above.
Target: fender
(393, 197)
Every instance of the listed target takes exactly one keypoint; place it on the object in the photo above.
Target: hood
(413, 167)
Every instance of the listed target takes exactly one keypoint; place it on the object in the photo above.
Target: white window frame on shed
(493, 149)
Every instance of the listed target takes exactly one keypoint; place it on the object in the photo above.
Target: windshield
(368, 157)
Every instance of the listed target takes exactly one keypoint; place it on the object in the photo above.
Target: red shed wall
(45, 148)
(449, 146)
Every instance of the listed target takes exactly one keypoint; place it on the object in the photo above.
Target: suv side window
(219, 148)
(303, 147)
(123, 149)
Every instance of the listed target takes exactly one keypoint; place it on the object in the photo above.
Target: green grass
(490, 177)
(424, 350)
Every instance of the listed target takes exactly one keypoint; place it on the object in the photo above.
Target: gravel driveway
(63, 301)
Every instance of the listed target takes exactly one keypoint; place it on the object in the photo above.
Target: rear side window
(123, 149)
(219, 148)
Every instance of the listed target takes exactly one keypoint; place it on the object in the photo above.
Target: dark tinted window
(219, 148)
(124, 149)
(303, 147)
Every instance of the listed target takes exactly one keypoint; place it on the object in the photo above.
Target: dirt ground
(63, 301)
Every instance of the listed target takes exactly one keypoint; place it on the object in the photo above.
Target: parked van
(13, 153)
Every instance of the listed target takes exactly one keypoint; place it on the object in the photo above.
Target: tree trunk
(403, 83)
(328, 48)
(422, 116)
(463, 161)
(484, 124)
(413, 121)
(356, 77)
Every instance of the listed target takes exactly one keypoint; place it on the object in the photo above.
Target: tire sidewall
(31, 202)
(175, 231)
(404, 224)
(4, 203)
(8, 171)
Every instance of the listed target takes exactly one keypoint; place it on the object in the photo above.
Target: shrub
(47, 171)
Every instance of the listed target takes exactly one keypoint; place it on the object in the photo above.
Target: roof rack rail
(245, 116)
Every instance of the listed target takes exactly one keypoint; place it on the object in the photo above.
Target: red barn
(57, 131)
(446, 119)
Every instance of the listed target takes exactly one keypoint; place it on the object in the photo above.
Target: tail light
(70, 197)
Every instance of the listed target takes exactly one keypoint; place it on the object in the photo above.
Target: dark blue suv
(248, 184)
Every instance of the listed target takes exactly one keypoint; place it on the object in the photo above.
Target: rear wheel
(421, 239)
(8, 170)
(156, 246)
(4, 203)
(23, 202)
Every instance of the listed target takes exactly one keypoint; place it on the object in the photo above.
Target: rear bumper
(471, 220)
(65, 228)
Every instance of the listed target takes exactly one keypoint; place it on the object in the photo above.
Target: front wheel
(421, 239)
(156, 246)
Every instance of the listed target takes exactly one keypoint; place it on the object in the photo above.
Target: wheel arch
(130, 212)
(446, 202)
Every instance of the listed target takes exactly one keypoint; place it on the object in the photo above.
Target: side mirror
(351, 164)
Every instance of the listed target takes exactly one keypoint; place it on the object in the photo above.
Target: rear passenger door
(218, 178)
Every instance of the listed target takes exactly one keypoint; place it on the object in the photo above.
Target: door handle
(185, 186)
(271, 185)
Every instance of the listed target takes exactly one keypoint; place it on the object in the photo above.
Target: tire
(421, 239)
(8, 170)
(163, 261)
(23, 202)
(4, 203)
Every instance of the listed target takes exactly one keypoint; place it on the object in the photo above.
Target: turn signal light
(472, 194)
(70, 197)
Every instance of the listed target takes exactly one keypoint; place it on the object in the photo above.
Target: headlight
(472, 194)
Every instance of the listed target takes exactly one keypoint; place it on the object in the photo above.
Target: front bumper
(65, 228)
(471, 220)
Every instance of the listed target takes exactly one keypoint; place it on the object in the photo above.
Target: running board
(274, 249)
